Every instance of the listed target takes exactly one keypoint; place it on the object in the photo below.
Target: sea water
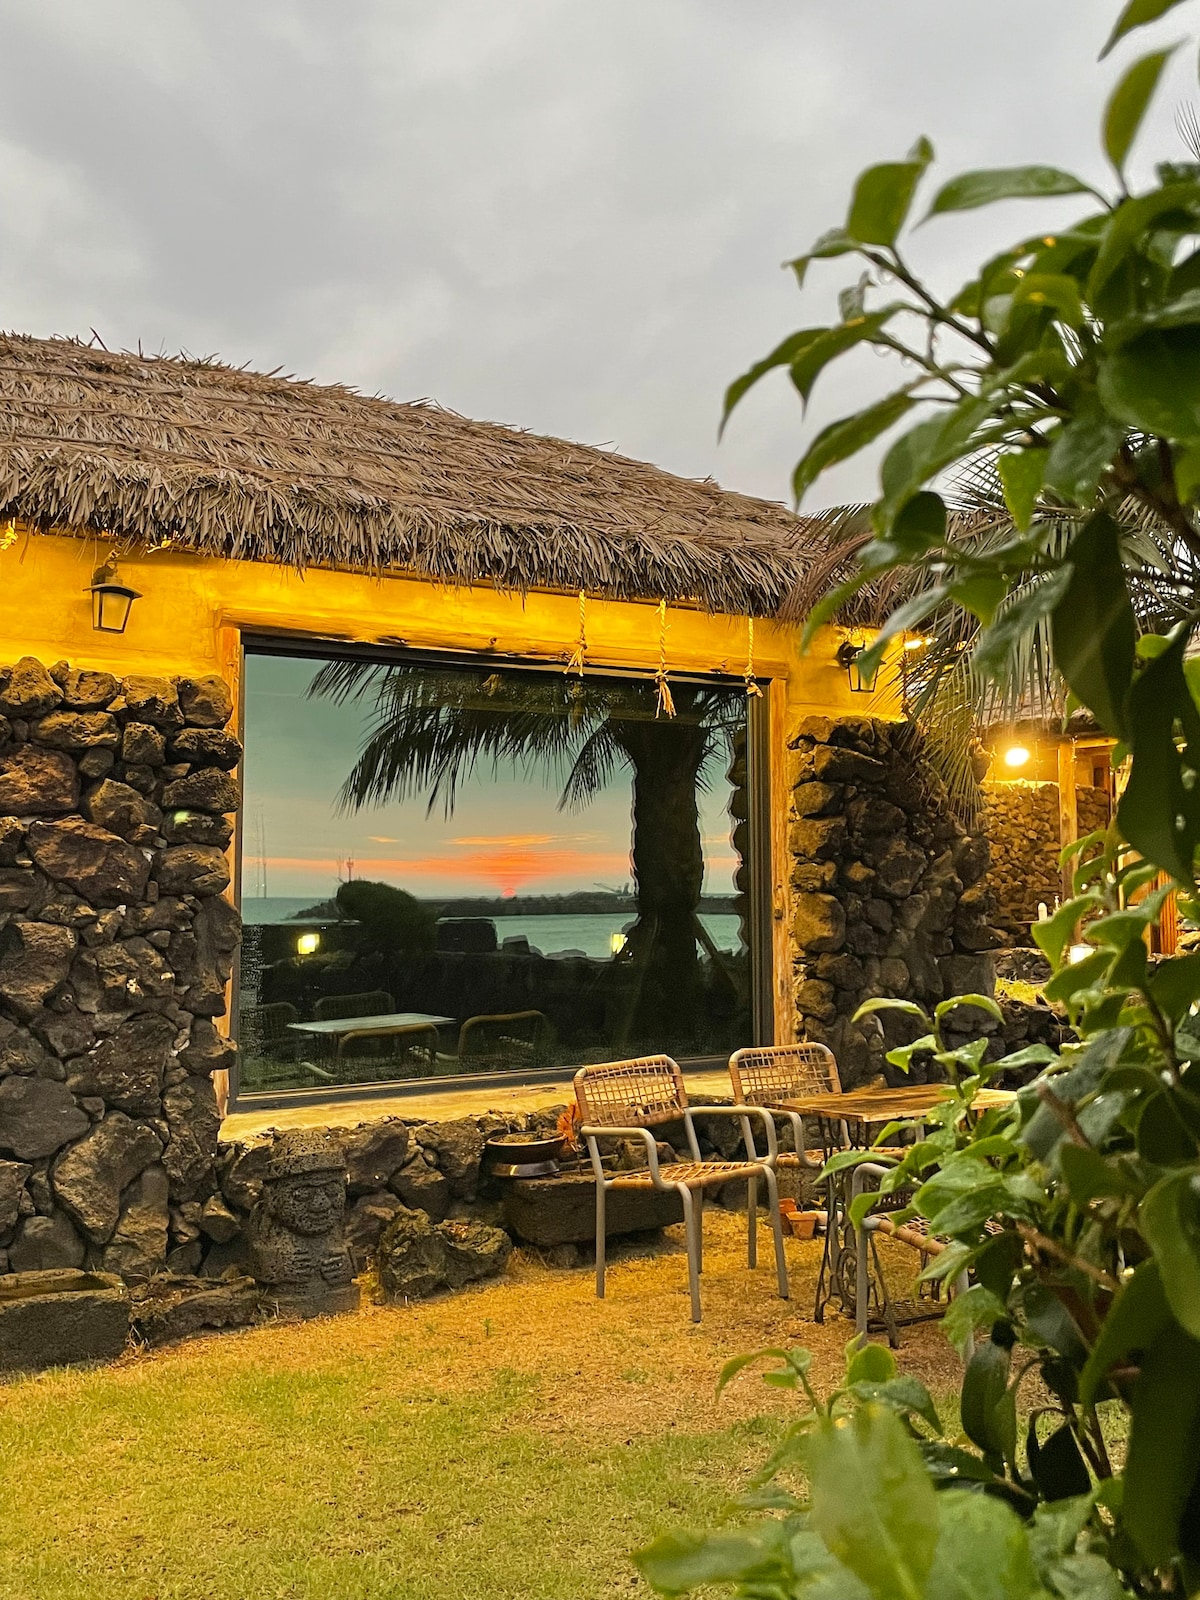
(593, 934)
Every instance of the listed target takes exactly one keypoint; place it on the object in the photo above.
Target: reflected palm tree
(435, 727)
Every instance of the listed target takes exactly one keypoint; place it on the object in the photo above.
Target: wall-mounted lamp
(308, 944)
(112, 600)
(917, 642)
(850, 658)
(1016, 756)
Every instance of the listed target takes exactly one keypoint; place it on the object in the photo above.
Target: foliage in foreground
(1074, 359)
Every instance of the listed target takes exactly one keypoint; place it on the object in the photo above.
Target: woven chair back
(643, 1093)
(764, 1075)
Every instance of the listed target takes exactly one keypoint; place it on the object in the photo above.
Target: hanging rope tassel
(8, 534)
(752, 687)
(666, 703)
(578, 656)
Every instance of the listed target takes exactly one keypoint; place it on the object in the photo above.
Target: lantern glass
(111, 605)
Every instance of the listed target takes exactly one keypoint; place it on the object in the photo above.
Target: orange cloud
(505, 867)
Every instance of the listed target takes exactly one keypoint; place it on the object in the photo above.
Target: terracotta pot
(803, 1224)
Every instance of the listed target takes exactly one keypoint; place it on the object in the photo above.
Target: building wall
(1021, 820)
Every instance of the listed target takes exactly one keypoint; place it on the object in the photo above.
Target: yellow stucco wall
(193, 607)
(194, 610)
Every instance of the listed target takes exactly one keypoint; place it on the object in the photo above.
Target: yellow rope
(752, 687)
(666, 704)
(578, 656)
(8, 535)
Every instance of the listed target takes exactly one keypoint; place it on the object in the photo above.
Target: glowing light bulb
(1016, 756)
(308, 944)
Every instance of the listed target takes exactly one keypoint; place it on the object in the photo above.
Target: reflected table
(343, 1029)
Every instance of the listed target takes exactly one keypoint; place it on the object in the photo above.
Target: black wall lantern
(850, 657)
(112, 600)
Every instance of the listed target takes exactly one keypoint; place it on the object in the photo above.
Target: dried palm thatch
(253, 466)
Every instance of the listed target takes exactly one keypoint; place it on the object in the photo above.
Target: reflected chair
(268, 1042)
(629, 1099)
(503, 1039)
(370, 1003)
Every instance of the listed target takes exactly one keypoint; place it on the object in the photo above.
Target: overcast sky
(564, 214)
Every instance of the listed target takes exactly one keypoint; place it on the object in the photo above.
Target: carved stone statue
(298, 1252)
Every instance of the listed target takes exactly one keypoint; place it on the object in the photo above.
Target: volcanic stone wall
(116, 944)
(887, 891)
(1021, 822)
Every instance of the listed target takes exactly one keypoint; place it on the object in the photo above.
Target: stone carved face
(308, 1203)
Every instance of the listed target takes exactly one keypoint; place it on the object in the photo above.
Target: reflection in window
(453, 869)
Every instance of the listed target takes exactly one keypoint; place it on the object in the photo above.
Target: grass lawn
(515, 1441)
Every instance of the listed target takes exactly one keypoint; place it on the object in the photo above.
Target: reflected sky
(506, 835)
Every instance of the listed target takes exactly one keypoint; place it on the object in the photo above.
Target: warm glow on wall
(1016, 756)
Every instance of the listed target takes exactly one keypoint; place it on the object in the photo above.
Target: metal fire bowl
(525, 1169)
(523, 1149)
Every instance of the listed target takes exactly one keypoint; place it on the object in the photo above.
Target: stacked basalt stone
(1021, 821)
(887, 890)
(116, 945)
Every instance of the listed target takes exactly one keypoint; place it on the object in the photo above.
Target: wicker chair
(764, 1075)
(631, 1099)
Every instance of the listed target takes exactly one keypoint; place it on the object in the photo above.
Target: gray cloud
(563, 214)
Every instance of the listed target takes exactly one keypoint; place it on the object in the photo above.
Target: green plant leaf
(845, 438)
(836, 341)
(999, 647)
(873, 1503)
(983, 1552)
(1053, 935)
(1093, 625)
(985, 1385)
(1136, 15)
(908, 1008)
(1057, 1466)
(1164, 1445)
(678, 1562)
(834, 242)
(798, 1360)
(1152, 382)
(1175, 984)
(921, 525)
(903, 1394)
(980, 1002)
(782, 356)
(882, 197)
(966, 1313)
(869, 1363)
(1127, 105)
(983, 188)
(1136, 1318)
(924, 450)
(1159, 813)
(1083, 451)
(1022, 473)
(1170, 1219)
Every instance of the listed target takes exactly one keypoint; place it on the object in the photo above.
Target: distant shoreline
(585, 902)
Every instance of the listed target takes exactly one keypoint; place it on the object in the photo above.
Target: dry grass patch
(514, 1441)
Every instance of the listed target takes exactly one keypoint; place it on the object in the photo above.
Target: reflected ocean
(591, 934)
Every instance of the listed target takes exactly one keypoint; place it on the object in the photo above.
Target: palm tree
(433, 727)
(951, 689)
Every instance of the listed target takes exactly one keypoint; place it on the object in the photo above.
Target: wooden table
(864, 1109)
(856, 1115)
(343, 1029)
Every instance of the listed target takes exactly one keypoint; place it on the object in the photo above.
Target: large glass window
(453, 868)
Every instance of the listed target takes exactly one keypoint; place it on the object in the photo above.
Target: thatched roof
(258, 467)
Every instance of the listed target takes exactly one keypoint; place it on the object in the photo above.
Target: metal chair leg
(601, 1231)
(691, 1224)
(781, 1273)
(752, 1219)
(862, 1286)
